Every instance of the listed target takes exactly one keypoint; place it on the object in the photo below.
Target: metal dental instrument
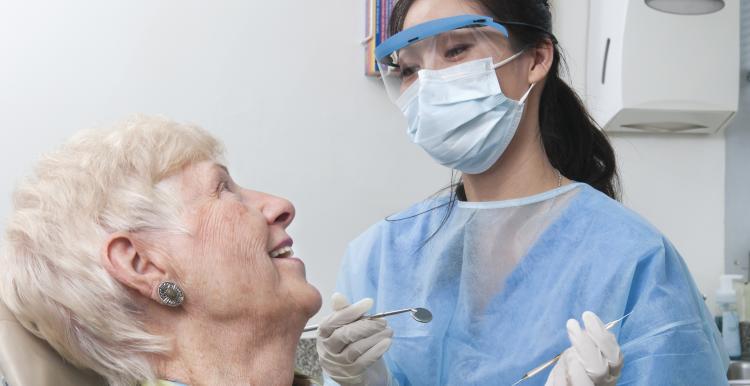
(421, 315)
(533, 372)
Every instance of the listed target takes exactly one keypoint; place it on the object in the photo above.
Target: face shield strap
(532, 26)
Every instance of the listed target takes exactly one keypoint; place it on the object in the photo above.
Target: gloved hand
(350, 348)
(594, 358)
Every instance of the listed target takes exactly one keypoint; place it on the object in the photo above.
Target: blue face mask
(459, 115)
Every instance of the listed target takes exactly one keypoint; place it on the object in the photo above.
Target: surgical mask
(459, 115)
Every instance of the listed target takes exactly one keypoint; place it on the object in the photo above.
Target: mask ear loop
(523, 98)
(506, 61)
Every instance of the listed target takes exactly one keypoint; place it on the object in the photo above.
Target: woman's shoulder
(603, 220)
(600, 208)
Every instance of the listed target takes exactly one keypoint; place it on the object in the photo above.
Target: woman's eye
(223, 187)
(456, 51)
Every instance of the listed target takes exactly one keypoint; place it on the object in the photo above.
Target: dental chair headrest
(26, 360)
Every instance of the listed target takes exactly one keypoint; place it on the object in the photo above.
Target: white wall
(281, 83)
(675, 181)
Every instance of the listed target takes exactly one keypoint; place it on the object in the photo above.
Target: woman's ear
(126, 260)
(544, 55)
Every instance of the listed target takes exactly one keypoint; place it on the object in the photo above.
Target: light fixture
(686, 7)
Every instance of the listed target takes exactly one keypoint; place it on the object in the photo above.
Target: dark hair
(573, 142)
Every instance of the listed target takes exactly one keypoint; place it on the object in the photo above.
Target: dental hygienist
(530, 237)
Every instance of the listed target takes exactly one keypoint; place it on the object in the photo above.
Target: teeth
(282, 251)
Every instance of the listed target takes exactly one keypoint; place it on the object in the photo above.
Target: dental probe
(554, 360)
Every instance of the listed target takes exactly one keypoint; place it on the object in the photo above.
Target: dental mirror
(421, 315)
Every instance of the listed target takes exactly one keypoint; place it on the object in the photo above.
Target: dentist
(531, 236)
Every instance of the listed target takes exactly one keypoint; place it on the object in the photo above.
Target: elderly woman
(133, 253)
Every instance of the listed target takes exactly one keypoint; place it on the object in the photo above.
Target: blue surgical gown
(561, 257)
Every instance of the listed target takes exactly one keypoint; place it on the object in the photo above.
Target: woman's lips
(283, 249)
(282, 252)
(286, 243)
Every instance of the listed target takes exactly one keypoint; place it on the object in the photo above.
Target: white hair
(99, 182)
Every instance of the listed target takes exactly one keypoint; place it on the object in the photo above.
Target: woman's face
(225, 264)
(459, 46)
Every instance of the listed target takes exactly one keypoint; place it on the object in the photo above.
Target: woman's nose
(277, 210)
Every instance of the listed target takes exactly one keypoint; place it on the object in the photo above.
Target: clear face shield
(440, 44)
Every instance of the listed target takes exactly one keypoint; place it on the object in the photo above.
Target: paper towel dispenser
(687, 7)
(663, 65)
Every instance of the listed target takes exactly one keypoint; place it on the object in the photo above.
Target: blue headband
(432, 28)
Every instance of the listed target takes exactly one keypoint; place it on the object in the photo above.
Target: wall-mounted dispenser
(663, 65)
(687, 7)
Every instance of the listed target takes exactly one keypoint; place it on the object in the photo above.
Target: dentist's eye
(456, 51)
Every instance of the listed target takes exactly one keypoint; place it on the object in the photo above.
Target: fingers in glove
(353, 332)
(346, 381)
(344, 316)
(605, 340)
(338, 301)
(557, 377)
(577, 374)
(340, 374)
(587, 351)
(337, 369)
(354, 351)
(374, 353)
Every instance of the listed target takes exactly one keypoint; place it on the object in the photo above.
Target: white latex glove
(350, 349)
(594, 358)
